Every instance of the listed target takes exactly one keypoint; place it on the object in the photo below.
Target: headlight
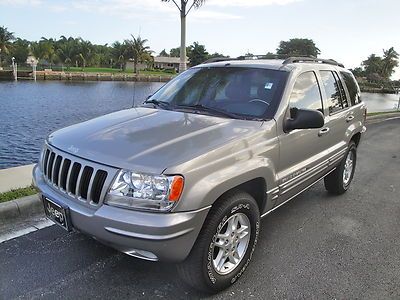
(145, 191)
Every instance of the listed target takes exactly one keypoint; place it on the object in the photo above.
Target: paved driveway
(316, 246)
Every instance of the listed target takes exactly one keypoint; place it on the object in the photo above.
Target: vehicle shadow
(82, 267)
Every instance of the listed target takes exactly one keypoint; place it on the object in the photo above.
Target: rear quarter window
(352, 87)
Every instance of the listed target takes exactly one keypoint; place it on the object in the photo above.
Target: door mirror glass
(304, 119)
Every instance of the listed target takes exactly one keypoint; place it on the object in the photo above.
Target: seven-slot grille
(79, 180)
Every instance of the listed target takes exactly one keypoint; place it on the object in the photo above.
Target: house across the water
(160, 63)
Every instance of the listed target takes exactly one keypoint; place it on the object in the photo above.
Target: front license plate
(56, 213)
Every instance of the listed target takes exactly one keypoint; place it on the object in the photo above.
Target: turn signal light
(176, 188)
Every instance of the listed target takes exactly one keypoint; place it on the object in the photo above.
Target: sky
(347, 31)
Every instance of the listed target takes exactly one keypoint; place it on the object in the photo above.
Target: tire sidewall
(250, 209)
(353, 149)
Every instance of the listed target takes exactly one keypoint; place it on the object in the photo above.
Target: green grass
(17, 193)
(115, 71)
(382, 113)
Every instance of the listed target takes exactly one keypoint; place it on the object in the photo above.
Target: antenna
(134, 93)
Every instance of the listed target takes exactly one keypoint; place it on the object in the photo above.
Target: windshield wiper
(159, 103)
(201, 107)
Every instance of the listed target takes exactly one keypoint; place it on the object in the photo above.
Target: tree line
(378, 68)
(82, 53)
(70, 51)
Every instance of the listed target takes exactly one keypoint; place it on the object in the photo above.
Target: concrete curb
(376, 118)
(22, 207)
(15, 178)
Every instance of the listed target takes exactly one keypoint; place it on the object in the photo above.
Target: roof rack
(301, 59)
(217, 59)
(242, 57)
(289, 60)
(253, 56)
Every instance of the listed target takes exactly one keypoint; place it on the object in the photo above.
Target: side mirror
(304, 119)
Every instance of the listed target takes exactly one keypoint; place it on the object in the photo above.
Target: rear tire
(221, 254)
(338, 181)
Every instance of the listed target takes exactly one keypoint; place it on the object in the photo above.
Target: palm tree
(85, 54)
(50, 51)
(67, 50)
(183, 13)
(137, 50)
(390, 62)
(6, 37)
(119, 53)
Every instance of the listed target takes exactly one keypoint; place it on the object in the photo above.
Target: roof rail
(301, 59)
(242, 57)
(217, 59)
(253, 56)
(290, 60)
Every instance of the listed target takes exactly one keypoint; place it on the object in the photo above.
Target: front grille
(80, 179)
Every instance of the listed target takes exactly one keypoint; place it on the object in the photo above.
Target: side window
(345, 103)
(352, 87)
(332, 91)
(306, 93)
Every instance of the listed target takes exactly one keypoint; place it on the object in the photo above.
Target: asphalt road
(315, 247)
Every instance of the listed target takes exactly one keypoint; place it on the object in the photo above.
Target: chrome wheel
(231, 243)
(348, 168)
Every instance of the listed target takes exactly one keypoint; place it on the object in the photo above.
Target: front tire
(339, 180)
(225, 245)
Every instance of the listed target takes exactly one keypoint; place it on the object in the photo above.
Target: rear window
(253, 92)
(352, 87)
(332, 91)
(343, 96)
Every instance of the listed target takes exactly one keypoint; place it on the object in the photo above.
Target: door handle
(349, 118)
(323, 131)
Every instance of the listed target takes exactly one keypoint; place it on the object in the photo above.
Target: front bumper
(169, 236)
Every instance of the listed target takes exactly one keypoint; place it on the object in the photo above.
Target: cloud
(149, 10)
(58, 8)
(127, 9)
(213, 15)
(249, 3)
(70, 23)
(21, 2)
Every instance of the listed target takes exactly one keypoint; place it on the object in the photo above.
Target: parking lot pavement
(316, 246)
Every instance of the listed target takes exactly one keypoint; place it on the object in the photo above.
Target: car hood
(146, 139)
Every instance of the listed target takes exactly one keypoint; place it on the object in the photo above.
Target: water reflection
(30, 111)
(380, 102)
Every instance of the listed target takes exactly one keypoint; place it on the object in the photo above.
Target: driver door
(302, 151)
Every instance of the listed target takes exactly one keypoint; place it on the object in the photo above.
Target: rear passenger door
(338, 114)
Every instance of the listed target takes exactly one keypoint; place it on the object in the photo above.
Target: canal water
(29, 111)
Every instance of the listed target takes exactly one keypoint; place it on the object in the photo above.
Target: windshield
(235, 91)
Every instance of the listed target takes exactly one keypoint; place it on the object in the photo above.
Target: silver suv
(187, 176)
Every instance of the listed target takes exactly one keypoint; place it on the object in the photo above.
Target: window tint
(252, 92)
(343, 96)
(352, 87)
(306, 92)
(332, 91)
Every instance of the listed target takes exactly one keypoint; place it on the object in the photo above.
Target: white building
(160, 62)
(165, 62)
